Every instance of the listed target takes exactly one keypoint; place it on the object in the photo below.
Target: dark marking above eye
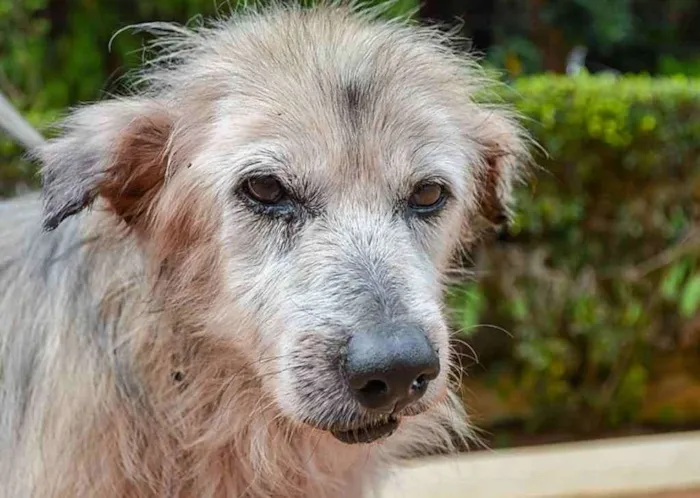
(353, 96)
(354, 99)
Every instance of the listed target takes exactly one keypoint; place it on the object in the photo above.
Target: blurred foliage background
(584, 317)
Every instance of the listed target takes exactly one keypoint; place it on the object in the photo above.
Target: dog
(231, 283)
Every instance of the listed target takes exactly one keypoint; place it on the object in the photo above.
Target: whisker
(484, 325)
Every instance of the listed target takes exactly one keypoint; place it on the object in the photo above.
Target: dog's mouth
(375, 431)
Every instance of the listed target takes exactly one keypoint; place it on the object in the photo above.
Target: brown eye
(427, 197)
(265, 189)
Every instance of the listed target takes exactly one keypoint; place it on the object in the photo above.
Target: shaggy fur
(161, 336)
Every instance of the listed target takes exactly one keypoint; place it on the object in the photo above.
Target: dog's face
(339, 221)
(320, 170)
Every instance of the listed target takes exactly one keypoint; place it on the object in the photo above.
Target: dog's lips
(369, 433)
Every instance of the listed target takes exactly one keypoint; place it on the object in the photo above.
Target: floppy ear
(504, 148)
(116, 150)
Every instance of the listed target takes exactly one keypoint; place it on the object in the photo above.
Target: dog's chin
(370, 433)
(376, 429)
(364, 428)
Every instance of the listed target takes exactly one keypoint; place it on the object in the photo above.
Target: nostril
(374, 388)
(420, 383)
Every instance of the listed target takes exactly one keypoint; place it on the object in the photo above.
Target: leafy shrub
(600, 274)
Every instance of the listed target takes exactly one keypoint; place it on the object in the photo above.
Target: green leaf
(671, 283)
(471, 310)
(690, 301)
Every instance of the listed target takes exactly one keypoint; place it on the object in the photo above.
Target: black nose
(389, 369)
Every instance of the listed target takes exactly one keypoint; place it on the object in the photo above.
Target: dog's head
(303, 179)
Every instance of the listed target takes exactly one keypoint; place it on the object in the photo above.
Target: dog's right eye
(265, 190)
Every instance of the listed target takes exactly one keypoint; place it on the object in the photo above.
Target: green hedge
(599, 278)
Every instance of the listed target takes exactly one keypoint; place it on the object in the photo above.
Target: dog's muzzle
(386, 370)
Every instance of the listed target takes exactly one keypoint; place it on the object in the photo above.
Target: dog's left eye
(427, 197)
